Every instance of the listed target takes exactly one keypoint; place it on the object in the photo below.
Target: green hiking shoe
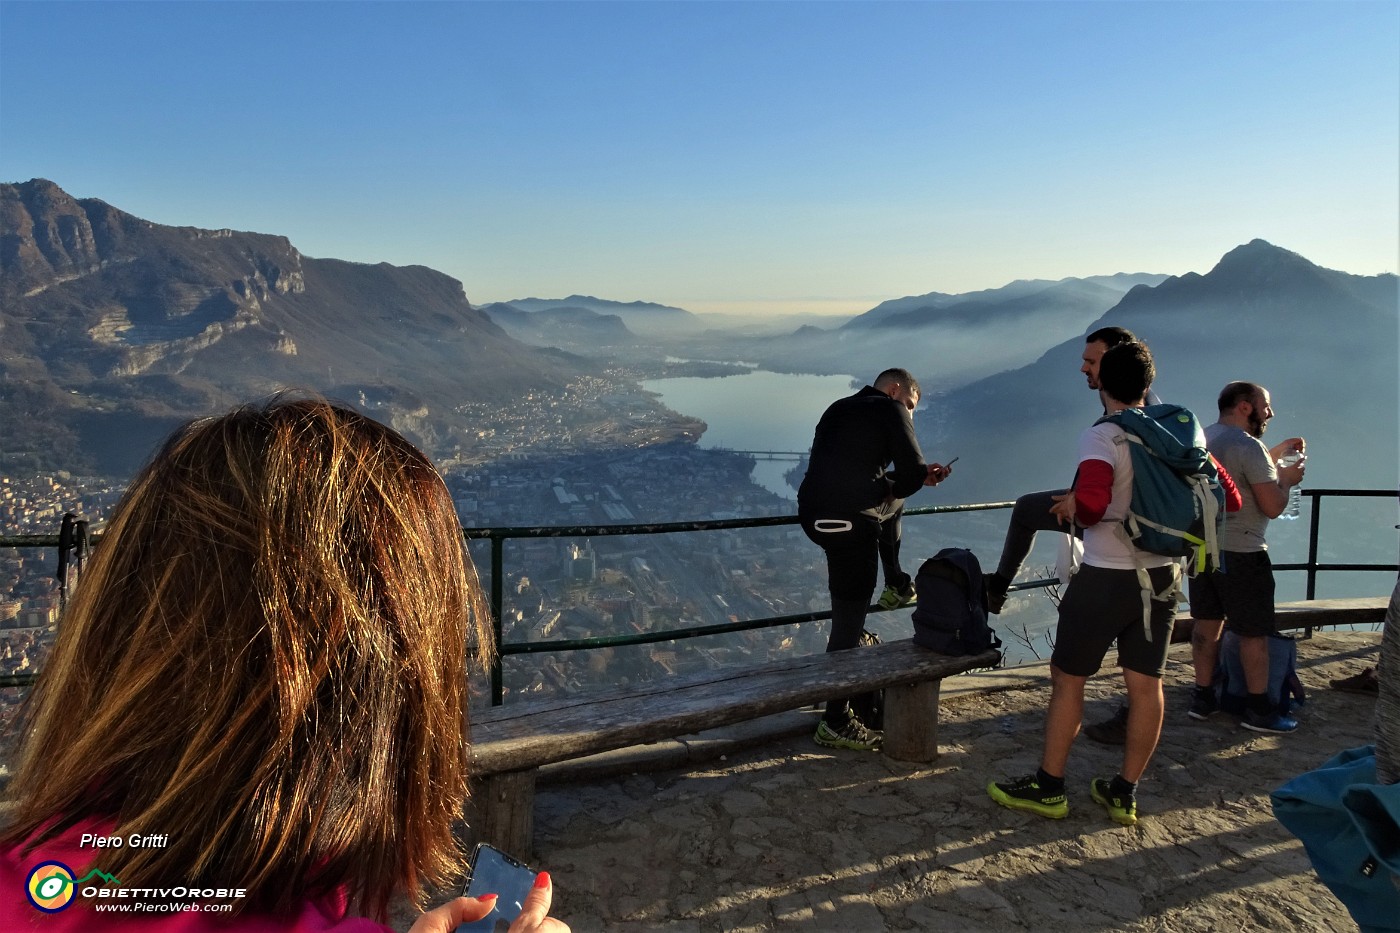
(1026, 794)
(853, 735)
(892, 598)
(1120, 809)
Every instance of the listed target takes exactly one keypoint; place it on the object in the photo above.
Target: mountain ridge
(96, 304)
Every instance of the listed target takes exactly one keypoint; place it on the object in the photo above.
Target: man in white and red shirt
(1104, 603)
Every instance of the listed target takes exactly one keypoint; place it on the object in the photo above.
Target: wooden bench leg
(911, 721)
(503, 812)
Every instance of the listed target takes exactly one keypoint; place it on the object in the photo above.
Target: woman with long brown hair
(254, 715)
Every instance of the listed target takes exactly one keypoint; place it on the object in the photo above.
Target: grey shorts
(1241, 592)
(1103, 605)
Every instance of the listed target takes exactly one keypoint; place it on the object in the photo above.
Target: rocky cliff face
(143, 293)
(109, 321)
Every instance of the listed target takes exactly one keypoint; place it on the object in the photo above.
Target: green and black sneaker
(852, 735)
(1025, 793)
(892, 598)
(1120, 809)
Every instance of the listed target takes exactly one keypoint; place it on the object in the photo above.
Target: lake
(760, 410)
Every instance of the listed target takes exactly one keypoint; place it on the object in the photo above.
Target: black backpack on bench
(951, 614)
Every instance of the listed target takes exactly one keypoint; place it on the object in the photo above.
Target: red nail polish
(488, 897)
(542, 880)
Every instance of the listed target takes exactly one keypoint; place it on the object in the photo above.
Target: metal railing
(498, 536)
(1315, 524)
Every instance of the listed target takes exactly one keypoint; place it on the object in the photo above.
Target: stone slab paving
(794, 836)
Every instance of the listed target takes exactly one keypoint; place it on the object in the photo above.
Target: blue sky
(727, 156)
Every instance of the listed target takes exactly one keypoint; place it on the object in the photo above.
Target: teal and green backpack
(1178, 503)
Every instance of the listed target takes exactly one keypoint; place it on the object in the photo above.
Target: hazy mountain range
(1324, 343)
(563, 326)
(114, 328)
(642, 317)
(948, 340)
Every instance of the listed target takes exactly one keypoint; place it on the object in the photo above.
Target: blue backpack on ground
(1178, 503)
(1285, 689)
(950, 616)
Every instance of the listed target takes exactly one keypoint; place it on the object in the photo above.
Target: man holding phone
(850, 504)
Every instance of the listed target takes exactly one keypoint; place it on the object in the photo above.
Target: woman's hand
(534, 913)
(454, 913)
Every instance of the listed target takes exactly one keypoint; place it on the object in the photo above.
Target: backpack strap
(1171, 593)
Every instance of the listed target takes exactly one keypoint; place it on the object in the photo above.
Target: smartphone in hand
(495, 872)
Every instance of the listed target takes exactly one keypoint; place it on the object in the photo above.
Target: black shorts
(1102, 605)
(1241, 592)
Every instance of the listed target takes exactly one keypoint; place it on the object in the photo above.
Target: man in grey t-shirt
(1241, 594)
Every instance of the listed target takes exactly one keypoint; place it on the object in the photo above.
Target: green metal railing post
(1313, 523)
(498, 589)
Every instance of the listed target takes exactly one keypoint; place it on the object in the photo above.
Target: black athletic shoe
(1112, 731)
(1272, 722)
(1025, 793)
(1122, 810)
(996, 592)
(1203, 705)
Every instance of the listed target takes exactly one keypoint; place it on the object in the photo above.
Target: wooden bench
(1310, 614)
(511, 742)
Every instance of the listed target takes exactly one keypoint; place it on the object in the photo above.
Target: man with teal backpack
(1122, 592)
(1178, 500)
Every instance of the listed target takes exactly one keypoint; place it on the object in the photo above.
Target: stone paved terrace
(788, 835)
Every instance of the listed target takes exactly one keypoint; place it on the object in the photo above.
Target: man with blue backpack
(1123, 592)
(1239, 596)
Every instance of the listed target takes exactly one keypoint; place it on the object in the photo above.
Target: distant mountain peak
(1259, 251)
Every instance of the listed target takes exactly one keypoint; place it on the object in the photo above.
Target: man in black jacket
(850, 505)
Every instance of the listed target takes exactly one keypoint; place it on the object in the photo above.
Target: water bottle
(1295, 493)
